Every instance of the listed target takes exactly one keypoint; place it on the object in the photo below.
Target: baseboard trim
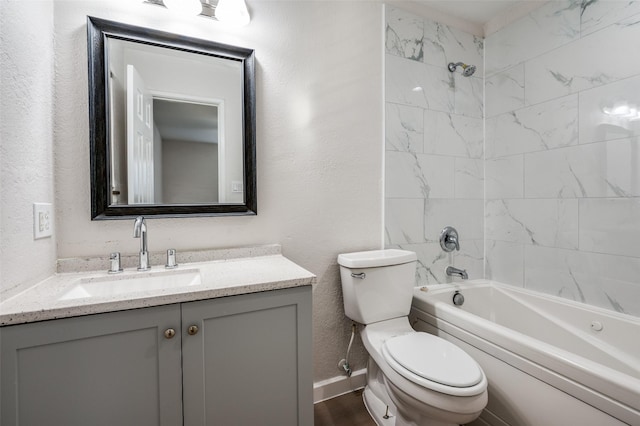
(339, 385)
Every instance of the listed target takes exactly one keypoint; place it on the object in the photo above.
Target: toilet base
(377, 399)
(378, 410)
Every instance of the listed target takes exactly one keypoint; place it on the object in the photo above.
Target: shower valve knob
(449, 239)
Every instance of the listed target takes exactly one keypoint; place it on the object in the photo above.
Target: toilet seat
(434, 363)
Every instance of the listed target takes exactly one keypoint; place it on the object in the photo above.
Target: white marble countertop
(219, 278)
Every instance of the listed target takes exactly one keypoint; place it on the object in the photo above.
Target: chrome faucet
(140, 231)
(462, 273)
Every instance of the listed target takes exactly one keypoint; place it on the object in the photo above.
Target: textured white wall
(319, 136)
(26, 140)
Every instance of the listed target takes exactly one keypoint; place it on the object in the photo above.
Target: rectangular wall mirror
(172, 124)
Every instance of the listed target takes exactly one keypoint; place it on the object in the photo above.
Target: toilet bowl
(429, 380)
(413, 378)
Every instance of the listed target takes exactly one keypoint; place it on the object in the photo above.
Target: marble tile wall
(434, 150)
(542, 176)
(562, 160)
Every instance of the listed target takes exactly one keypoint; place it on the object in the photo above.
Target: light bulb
(184, 7)
(233, 12)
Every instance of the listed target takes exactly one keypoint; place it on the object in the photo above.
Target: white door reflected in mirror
(140, 138)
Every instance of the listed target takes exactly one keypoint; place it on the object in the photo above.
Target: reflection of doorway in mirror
(192, 149)
(175, 146)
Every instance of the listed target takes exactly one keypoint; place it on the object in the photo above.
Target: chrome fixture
(114, 259)
(449, 239)
(171, 259)
(209, 8)
(467, 70)
(462, 273)
(458, 298)
(140, 231)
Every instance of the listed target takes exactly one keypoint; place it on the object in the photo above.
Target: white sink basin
(114, 285)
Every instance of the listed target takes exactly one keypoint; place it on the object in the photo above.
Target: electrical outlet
(42, 220)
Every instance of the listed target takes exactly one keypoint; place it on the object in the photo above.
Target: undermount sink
(114, 285)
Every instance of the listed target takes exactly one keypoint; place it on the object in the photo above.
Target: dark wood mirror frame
(97, 31)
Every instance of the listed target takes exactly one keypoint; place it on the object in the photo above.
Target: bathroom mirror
(172, 124)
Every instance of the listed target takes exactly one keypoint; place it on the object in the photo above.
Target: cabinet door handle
(169, 333)
(193, 329)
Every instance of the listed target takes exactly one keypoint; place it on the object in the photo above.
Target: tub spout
(462, 273)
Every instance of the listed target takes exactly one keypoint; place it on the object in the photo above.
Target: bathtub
(549, 361)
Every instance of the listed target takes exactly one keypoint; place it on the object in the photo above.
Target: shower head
(467, 70)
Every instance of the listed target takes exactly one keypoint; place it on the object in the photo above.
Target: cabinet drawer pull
(193, 329)
(169, 333)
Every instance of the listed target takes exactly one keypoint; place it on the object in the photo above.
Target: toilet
(413, 378)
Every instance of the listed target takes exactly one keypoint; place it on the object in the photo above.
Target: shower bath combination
(467, 70)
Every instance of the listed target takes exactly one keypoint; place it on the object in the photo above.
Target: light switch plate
(42, 220)
(236, 186)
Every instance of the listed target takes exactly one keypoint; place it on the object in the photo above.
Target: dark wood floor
(345, 410)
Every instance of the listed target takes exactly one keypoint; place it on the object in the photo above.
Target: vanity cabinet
(108, 369)
(238, 360)
(250, 362)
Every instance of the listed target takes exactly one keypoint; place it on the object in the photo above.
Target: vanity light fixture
(232, 12)
(624, 111)
(184, 7)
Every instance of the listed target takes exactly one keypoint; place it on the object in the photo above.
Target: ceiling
(480, 12)
(185, 121)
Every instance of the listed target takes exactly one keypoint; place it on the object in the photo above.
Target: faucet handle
(114, 259)
(452, 239)
(449, 239)
(171, 259)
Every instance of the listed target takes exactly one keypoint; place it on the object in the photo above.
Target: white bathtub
(549, 361)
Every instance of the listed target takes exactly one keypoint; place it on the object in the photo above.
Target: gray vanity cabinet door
(249, 363)
(107, 369)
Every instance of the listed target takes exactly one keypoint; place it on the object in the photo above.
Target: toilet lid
(434, 359)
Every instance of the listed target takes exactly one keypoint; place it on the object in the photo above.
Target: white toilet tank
(377, 285)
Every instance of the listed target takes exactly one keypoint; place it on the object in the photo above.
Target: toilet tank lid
(376, 258)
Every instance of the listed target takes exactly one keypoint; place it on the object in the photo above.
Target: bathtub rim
(470, 284)
(619, 389)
